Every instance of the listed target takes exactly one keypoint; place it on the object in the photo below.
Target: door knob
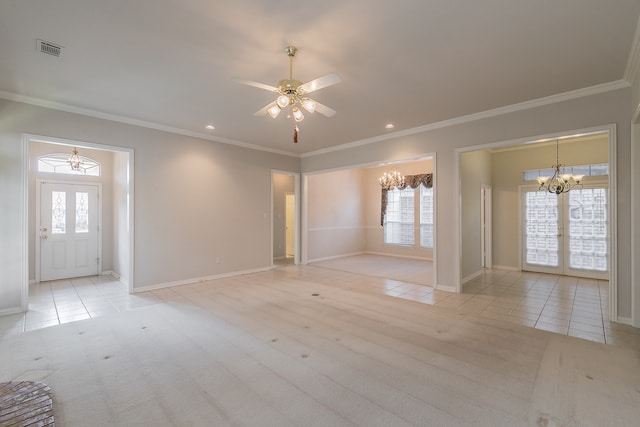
(43, 229)
(43, 237)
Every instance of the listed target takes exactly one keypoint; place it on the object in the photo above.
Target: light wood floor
(310, 346)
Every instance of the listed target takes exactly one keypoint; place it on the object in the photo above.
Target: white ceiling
(412, 63)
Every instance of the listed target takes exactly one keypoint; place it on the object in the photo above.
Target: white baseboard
(12, 310)
(334, 257)
(624, 320)
(399, 256)
(446, 288)
(471, 277)
(199, 279)
(504, 267)
(110, 273)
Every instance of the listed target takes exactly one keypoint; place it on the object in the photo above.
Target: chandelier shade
(560, 182)
(74, 160)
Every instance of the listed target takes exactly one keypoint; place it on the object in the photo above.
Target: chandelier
(391, 180)
(74, 160)
(559, 182)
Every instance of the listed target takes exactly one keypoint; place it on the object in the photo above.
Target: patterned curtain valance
(412, 181)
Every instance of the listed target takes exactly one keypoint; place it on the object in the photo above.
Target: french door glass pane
(58, 212)
(82, 212)
(588, 229)
(541, 228)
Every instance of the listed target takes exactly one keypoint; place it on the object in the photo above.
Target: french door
(567, 233)
(68, 230)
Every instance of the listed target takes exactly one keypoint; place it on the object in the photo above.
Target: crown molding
(633, 63)
(566, 96)
(135, 122)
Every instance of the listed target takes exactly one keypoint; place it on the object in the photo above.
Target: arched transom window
(59, 163)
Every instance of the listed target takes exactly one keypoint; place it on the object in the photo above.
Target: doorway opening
(79, 224)
(285, 190)
(579, 227)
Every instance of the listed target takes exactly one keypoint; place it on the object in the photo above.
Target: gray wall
(475, 170)
(201, 208)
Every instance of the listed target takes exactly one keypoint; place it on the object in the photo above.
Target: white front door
(68, 230)
(566, 233)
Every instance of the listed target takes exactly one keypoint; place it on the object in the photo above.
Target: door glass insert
(82, 212)
(588, 229)
(541, 228)
(58, 212)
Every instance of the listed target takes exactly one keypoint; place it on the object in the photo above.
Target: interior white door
(290, 214)
(566, 233)
(68, 230)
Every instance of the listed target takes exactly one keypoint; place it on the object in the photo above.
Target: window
(426, 217)
(59, 163)
(586, 170)
(403, 207)
(399, 220)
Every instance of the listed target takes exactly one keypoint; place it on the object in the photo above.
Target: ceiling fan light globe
(282, 101)
(274, 111)
(309, 105)
(297, 115)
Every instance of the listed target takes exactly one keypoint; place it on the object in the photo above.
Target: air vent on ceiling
(49, 48)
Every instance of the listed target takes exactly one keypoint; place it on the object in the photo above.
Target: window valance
(411, 181)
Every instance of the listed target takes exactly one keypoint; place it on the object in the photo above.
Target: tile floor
(566, 305)
(560, 304)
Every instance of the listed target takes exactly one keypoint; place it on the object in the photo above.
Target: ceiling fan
(292, 95)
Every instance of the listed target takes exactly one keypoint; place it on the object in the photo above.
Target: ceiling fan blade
(321, 82)
(324, 110)
(258, 85)
(264, 110)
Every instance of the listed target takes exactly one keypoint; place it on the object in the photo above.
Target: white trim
(486, 231)
(446, 288)
(633, 62)
(635, 176)
(505, 267)
(471, 277)
(24, 225)
(565, 96)
(457, 229)
(342, 227)
(110, 273)
(534, 103)
(613, 224)
(334, 257)
(624, 320)
(135, 122)
(419, 258)
(10, 311)
(200, 279)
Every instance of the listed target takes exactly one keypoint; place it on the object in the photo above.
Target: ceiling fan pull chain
(295, 134)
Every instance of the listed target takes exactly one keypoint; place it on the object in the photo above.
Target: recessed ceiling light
(389, 126)
(210, 127)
